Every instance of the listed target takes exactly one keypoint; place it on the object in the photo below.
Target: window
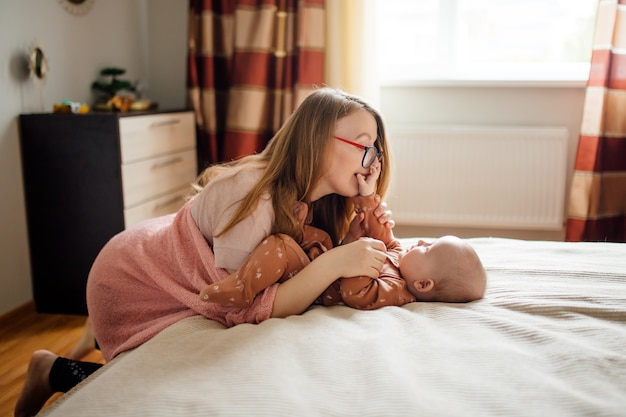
(481, 40)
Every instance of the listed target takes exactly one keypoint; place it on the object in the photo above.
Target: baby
(446, 270)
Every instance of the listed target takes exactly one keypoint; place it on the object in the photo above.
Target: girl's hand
(364, 256)
(383, 214)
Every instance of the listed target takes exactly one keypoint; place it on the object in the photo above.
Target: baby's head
(447, 270)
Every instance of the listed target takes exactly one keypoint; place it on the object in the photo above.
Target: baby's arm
(364, 204)
(369, 225)
(365, 293)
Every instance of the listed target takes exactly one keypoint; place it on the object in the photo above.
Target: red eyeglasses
(371, 152)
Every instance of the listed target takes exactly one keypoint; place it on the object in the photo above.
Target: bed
(548, 339)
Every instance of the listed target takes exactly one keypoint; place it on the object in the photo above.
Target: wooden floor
(23, 331)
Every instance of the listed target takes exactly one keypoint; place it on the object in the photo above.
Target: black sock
(66, 374)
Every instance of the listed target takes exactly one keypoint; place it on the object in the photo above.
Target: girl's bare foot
(36, 389)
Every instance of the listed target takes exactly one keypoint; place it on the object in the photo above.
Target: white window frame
(506, 75)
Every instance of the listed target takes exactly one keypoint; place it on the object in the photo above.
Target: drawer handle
(164, 123)
(168, 203)
(163, 164)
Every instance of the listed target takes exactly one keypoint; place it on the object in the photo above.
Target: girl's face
(345, 160)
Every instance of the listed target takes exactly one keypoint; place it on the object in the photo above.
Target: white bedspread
(549, 339)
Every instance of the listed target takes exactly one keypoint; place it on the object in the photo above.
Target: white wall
(146, 37)
(521, 105)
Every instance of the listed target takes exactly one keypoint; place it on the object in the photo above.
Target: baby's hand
(367, 184)
(356, 229)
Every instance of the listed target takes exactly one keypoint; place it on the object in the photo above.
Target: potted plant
(115, 94)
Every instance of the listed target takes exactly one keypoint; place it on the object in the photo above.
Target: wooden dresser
(88, 177)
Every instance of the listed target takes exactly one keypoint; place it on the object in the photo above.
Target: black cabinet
(74, 190)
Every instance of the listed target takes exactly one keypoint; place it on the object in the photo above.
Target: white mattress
(549, 339)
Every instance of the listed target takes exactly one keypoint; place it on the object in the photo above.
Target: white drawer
(143, 137)
(169, 203)
(144, 180)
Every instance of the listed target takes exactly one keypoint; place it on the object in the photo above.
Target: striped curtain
(597, 206)
(251, 62)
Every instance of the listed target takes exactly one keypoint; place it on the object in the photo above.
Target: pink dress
(148, 277)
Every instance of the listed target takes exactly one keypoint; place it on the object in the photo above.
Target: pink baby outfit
(148, 277)
(276, 259)
(389, 289)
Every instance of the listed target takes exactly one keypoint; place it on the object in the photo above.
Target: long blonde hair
(295, 159)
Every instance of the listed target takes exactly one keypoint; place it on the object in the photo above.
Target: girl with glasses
(148, 277)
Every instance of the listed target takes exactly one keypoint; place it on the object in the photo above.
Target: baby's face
(421, 259)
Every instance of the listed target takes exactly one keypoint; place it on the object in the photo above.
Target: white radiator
(493, 177)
